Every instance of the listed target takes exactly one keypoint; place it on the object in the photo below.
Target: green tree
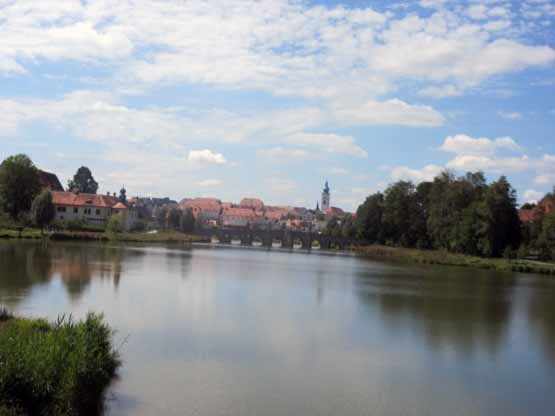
(174, 218)
(369, 219)
(42, 209)
(188, 221)
(500, 227)
(399, 211)
(83, 181)
(19, 184)
(115, 224)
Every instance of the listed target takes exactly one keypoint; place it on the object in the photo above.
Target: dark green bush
(59, 368)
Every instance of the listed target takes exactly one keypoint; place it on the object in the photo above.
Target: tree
(19, 184)
(369, 219)
(42, 209)
(161, 215)
(399, 211)
(188, 221)
(83, 181)
(115, 224)
(174, 218)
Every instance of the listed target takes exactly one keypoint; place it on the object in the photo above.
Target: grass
(166, 236)
(33, 233)
(441, 257)
(59, 368)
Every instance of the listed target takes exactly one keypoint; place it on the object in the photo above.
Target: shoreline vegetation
(55, 368)
(445, 258)
(167, 236)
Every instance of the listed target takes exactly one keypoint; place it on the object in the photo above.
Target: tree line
(461, 214)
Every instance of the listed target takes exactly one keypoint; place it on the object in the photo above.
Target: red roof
(120, 205)
(87, 200)
(204, 204)
(335, 210)
(252, 203)
(239, 212)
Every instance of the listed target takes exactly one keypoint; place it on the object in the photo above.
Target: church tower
(325, 198)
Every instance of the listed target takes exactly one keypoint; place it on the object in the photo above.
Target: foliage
(59, 368)
(115, 224)
(161, 215)
(19, 184)
(187, 221)
(458, 214)
(83, 181)
(174, 218)
(42, 209)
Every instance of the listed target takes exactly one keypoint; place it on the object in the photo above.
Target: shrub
(59, 368)
(115, 224)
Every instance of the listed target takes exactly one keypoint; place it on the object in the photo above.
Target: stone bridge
(275, 237)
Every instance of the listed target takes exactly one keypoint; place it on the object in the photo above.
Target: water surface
(213, 331)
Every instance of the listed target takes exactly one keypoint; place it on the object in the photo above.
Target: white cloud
(281, 185)
(510, 115)
(336, 171)
(545, 179)
(469, 162)
(282, 46)
(328, 143)
(533, 196)
(210, 182)
(392, 111)
(462, 144)
(441, 91)
(206, 157)
(427, 173)
(281, 154)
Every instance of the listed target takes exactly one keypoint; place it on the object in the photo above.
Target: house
(50, 181)
(334, 211)
(545, 206)
(93, 209)
(205, 210)
(253, 203)
(237, 217)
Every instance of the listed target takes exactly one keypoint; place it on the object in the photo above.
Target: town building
(50, 181)
(545, 206)
(325, 204)
(92, 209)
(237, 217)
(254, 203)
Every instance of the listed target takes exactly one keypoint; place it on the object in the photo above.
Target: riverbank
(57, 368)
(158, 237)
(445, 258)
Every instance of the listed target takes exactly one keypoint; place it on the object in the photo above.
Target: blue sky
(239, 98)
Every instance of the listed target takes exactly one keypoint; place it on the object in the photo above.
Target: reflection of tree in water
(541, 312)
(25, 264)
(462, 310)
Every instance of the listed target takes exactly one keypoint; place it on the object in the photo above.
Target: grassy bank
(160, 237)
(451, 259)
(59, 368)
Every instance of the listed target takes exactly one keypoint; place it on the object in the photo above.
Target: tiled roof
(50, 180)
(251, 203)
(239, 212)
(87, 200)
(120, 205)
(209, 204)
(335, 210)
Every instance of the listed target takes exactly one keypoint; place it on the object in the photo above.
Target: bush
(115, 224)
(59, 368)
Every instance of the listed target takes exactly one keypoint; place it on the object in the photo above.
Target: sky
(271, 98)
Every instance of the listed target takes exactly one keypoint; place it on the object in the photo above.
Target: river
(214, 331)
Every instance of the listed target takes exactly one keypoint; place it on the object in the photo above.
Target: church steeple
(326, 197)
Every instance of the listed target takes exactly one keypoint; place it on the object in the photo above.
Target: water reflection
(453, 309)
(234, 331)
(26, 264)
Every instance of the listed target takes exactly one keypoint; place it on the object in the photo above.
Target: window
(87, 211)
(97, 211)
(61, 209)
(75, 210)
